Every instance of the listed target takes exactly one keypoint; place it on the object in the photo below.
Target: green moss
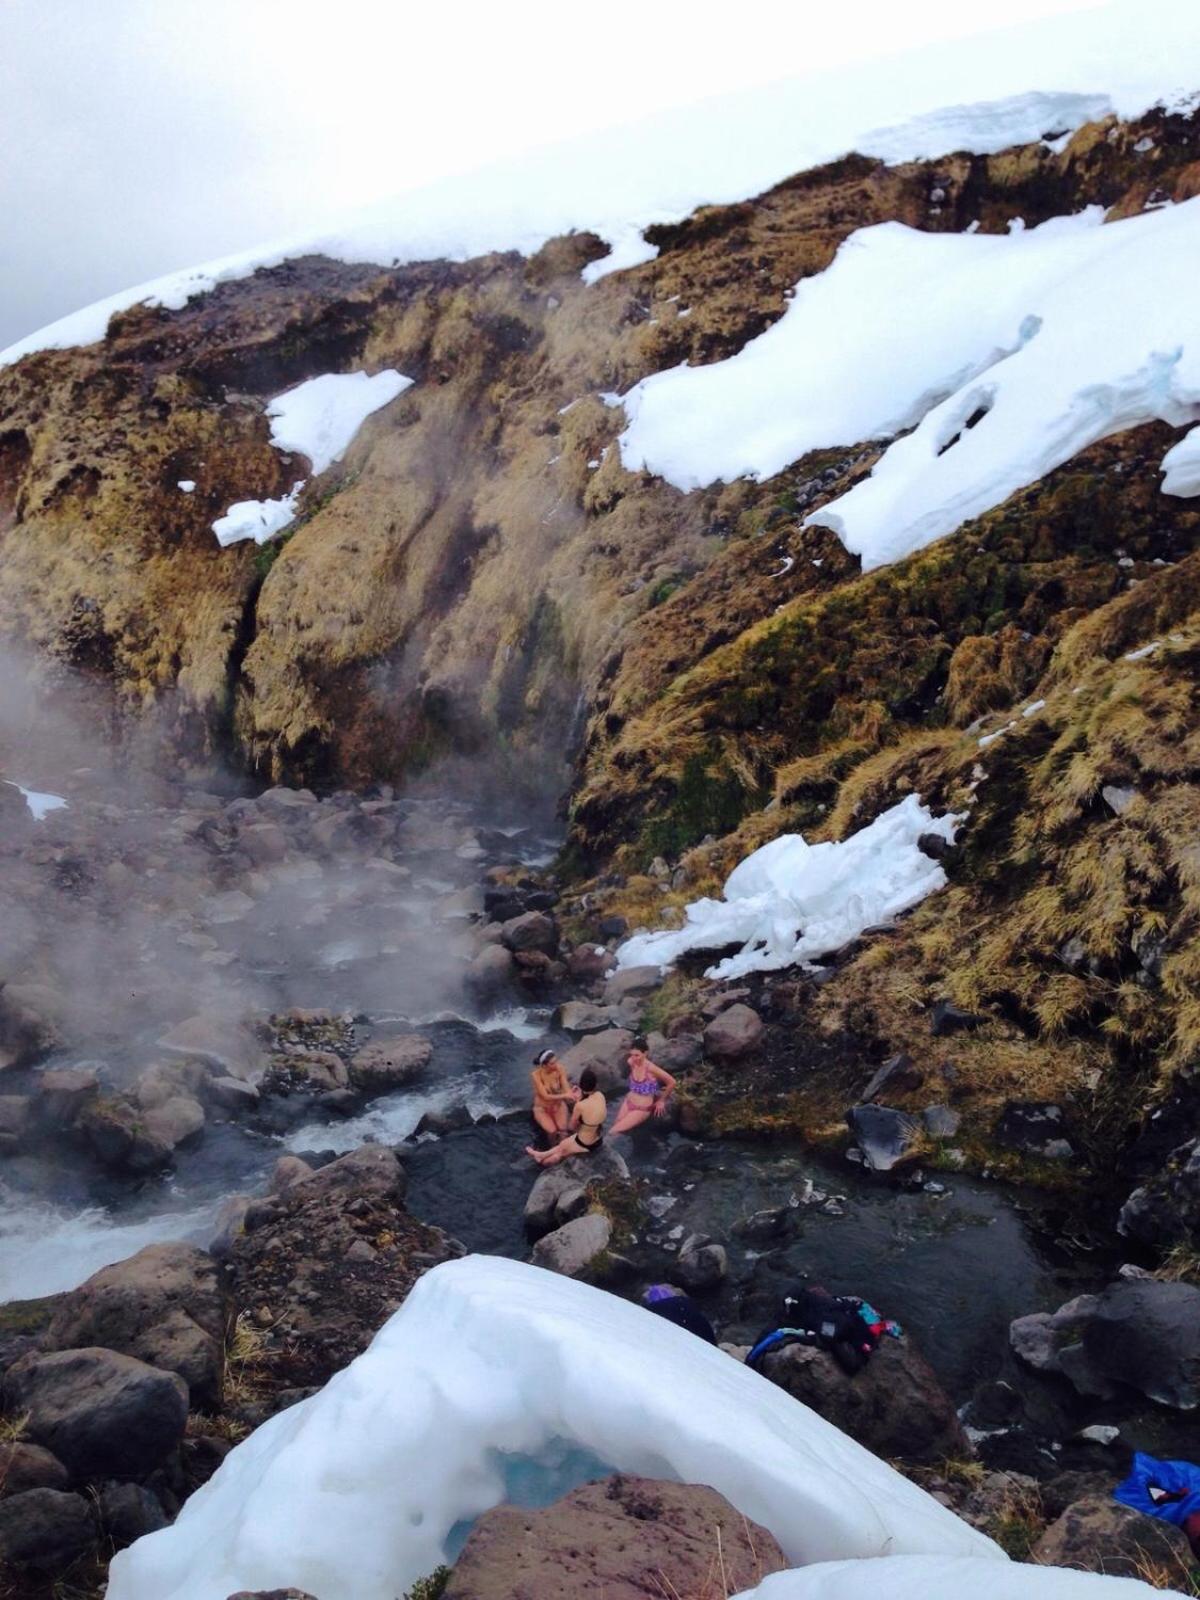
(707, 800)
(28, 1316)
(430, 1588)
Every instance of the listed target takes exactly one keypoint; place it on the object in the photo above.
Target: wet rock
(229, 1047)
(451, 1120)
(895, 1405)
(489, 973)
(676, 1054)
(127, 1511)
(1147, 1334)
(29, 1466)
(176, 1121)
(624, 1538)
(63, 1092)
(166, 1305)
(575, 1249)
(606, 1053)
(702, 1263)
(1040, 1338)
(102, 1414)
(588, 963)
(552, 1199)
(45, 1530)
(934, 845)
(897, 1074)
(940, 1122)
(119, 1138)
(769, 1223)
(632, 983)
(884, 1135)
(1035, 1127)
(1165, 1211)
(286, 1171)
(232, 1095)
(1099, 1534)
(612, 927)
(734, 1033)
(533, 930)
(946, 1017)
(16, 1117)
(229, 1226)
(27, 1031)
(390, 1063)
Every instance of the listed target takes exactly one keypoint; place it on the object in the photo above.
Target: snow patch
(1181, 464)
(983, 345)
(187, 485)
(619, 182)
(320, 418)
(355, 1491)
(40, 805)
(259, 520)
(790, 901)
(629, 249)
(941, 1578)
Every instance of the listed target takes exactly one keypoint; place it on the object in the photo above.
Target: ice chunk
(259, 520)
(40, 805)
(791, 901)
(1181, 464)
(187, 485)
(319, 418)
(354, 1492)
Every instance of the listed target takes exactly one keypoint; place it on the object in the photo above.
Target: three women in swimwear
(582, 1131)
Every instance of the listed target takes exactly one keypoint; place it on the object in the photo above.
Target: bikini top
(642, 1085)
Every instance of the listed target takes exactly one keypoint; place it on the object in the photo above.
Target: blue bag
(1180, 1480)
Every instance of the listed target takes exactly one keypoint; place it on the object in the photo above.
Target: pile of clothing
(847, 1327)
(1169, 1490)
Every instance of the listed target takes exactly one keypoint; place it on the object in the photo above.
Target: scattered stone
(632, 983)
(390, 1063)
(702, 1263)
(1040, 1338)
(177, 1121)
(1099, 1534)
(1165, 1211)
(452, 1120)
(533, 930)
(588, 963)
(934, 845)
(946, 1018)
(166, 1305)
(27, 1466)
(16, 1114)
(102, 1414)
(1118, 797)
(768, 1223)
(1099, 1433)
(552, 1196)
(734, 1033)
(613, 927)
(1035, 1127)
(286, 1171)
(489, 973)
(897, 1074)
(676, 1054)
(894, 1406)
(127, 1511)
(884, 1135)
(582, 1016)
(232, 1095)
(45, 1530)
(574, 1249)
(624, 1538)
(940, 1122)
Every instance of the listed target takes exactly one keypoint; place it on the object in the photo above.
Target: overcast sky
(137, 136)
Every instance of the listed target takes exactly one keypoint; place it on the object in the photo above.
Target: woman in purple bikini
(650, 1088)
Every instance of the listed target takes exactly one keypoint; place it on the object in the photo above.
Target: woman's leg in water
(551, 1158)
(546, 1120)
(631, 1115)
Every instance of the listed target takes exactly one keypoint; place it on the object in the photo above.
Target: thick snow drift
(318, 418)
(1181, 467)
(1006, 355)
(791, 901)
(974, 94)
(941, 1578)
(354, 1491)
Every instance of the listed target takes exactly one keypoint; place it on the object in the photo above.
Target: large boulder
(62, 1094)
(27, 1466)
(733, 1033)
(1165, 1210)
(1099, 1534)
(230, 1048)
(554, 1198)
(119, 1138)
(44, 1530)
(127, 1511)
(624, 1538)
(632, 983)
(576, 1248)
(606, 1053)
(104, 1415)
(390, 1063)
(1147, 1334)
(27, 1031)
(885, 1136)
(174, 1122)
(702, 1263)
(534, 930)
(1041, 1337)
(584, 1016)
(166, 1305)
(894, 1405)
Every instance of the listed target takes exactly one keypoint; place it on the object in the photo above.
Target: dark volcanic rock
(884, 1135)
(27, 1466)
(622, 1539)
(102, 1414)
(1147, 1334)
(895, 1405)
(1165, 1210)
(1099, 1534)
(534, 930)
(1034, 1126)
(390, 1063)
(946, 1018)
(734, 1033)
(897, 1074)
(45, 1529)
(166, 1305)
(127, 1511)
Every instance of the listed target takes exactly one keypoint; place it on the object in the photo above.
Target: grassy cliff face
(480, 568)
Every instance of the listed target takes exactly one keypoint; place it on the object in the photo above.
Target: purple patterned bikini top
(642, 1085)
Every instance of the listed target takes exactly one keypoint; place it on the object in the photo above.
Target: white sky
(137, 136)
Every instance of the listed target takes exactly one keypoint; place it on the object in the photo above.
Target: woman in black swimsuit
(587, 1125)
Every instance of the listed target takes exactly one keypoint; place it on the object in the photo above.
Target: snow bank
(1182, 467)
(791, 901)
(354, 1491)
(986, 346)
(319, 418)
(968, 94)
(40, 805)
(941, 1578)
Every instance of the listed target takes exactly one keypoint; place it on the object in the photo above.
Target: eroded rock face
(894, 1405)
(166, 1305)
(624, 1539)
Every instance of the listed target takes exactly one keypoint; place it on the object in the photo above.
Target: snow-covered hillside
(1014, 86)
